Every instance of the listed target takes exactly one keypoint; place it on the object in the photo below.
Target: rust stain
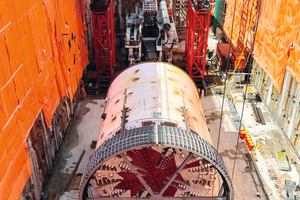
(113, 119)
(298, 125)
(191, 101)
(176, 91)
(173, 79)
(135, 79)
(195, 119)
(179, 110)
(136, 71)
(176, 71)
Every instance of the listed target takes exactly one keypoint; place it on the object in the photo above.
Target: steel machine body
(153, 141)
(151, 33)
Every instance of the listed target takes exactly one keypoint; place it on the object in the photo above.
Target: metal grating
(153, 135)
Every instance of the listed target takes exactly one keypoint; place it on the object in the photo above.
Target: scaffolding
(104, 42)
(196, 39)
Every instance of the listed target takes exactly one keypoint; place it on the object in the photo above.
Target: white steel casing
(155, 92)
(164, 15)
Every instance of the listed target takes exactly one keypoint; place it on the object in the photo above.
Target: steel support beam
(145, 184)
(175, 174)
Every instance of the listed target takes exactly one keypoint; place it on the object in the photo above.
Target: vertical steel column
(113, 40)
(104, 42)
(196, 41)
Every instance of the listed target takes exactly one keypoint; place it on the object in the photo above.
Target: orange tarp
(278, 29)
(43, 55)
(244, 10)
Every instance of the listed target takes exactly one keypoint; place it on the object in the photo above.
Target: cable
(216, 84)
(245, 43)
(227, 67)
(223, 100)
(255, 31)
(167, 38)
(245, 98)
(174, 41)
(237, 143)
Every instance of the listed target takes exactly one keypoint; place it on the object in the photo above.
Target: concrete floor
(272, 175)
(83, 129)
(270, 178)
(246, 184)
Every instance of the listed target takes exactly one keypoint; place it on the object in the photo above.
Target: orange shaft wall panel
(244, 10)
(277, 33)
(43, 55)
(277, 40)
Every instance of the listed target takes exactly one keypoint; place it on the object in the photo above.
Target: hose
(167, 38)
(174, 41)
(216, 84)
(245, 43)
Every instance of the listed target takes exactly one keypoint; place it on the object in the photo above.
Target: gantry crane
(198, 18)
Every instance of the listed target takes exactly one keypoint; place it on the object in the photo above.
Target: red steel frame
(196, 41)
(104, 42)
